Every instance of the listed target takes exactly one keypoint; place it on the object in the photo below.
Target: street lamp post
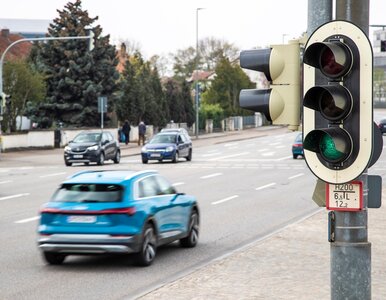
(90, 37)
(195, 75)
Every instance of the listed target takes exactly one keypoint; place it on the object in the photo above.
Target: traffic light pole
(350, 251)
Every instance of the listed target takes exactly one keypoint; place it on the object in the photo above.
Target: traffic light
(281, 66)
(337, 103)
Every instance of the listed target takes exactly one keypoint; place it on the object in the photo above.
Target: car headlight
(144, 149)
(169, 149)
(67, 149)
(93, 148)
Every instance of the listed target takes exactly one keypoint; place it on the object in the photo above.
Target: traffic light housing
(281, 66)
(337, 103)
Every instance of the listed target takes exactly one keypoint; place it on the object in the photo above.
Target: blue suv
(116, 212)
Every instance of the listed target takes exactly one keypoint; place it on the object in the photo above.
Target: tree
(210, 52)
(226, 86)
(75, 76)
(23, 85)
(189, 115)
(174, 100)
(142, 97)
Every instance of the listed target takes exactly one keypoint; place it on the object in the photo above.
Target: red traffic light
(333, 59)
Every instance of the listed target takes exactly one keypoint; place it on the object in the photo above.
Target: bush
(211, 111)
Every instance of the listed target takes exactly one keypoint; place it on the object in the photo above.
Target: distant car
(168, 145)
(382, 126)
(92, 147)
(116, 212)
(297, 147)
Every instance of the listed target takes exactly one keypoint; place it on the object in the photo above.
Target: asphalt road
(247, 189)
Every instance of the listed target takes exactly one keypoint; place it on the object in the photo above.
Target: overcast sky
(163, 26)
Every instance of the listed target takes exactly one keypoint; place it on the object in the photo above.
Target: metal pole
(195, 78)
(350, 251)
(319, 12)
(34, 39)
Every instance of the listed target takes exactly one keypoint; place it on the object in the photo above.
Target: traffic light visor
(256, 60)
(333, 144)
(334, 102)
(333, 59)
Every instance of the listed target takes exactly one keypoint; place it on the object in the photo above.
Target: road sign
(345, 197)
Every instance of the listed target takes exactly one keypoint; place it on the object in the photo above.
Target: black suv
(89, 147)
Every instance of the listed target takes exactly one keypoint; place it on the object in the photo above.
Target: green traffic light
(328, 148)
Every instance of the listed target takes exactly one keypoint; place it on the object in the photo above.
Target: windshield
(88, 193)
(299, 138)
(88, 138)
(163, 138)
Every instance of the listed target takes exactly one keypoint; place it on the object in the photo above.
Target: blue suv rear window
(90, 193)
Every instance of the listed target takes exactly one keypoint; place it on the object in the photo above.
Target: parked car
(297, 147)
(382, 126)
(95, 147)
(168, 145)
(116, 212)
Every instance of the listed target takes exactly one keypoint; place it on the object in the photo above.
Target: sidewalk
(291, 264)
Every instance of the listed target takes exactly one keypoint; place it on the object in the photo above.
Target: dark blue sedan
(116, 212)
(168, 146)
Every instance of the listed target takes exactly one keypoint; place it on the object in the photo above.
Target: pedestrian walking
(141, 133)
(126, 131)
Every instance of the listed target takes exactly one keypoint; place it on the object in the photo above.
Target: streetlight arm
(35, 39)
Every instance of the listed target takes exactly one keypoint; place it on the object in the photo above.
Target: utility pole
(196, 75)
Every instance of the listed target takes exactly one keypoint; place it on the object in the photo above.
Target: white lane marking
(280, 147)
(54, 174)
(283, 158)
(14, 196)
(28, 220)
(225, 199)
(6, 181)
(274, 144)
(268, 154)
(210, 175)
(211, 154)
(228, 156)
(262, 150)
(230, 144)
(265, 186)
(178, 183)
(295, 176)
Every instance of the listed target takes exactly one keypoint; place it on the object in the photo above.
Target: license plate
(78, 156)
(81, 219)
(156, 155)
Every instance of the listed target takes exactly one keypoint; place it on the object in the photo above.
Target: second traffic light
(280, 103)
(337, 104)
